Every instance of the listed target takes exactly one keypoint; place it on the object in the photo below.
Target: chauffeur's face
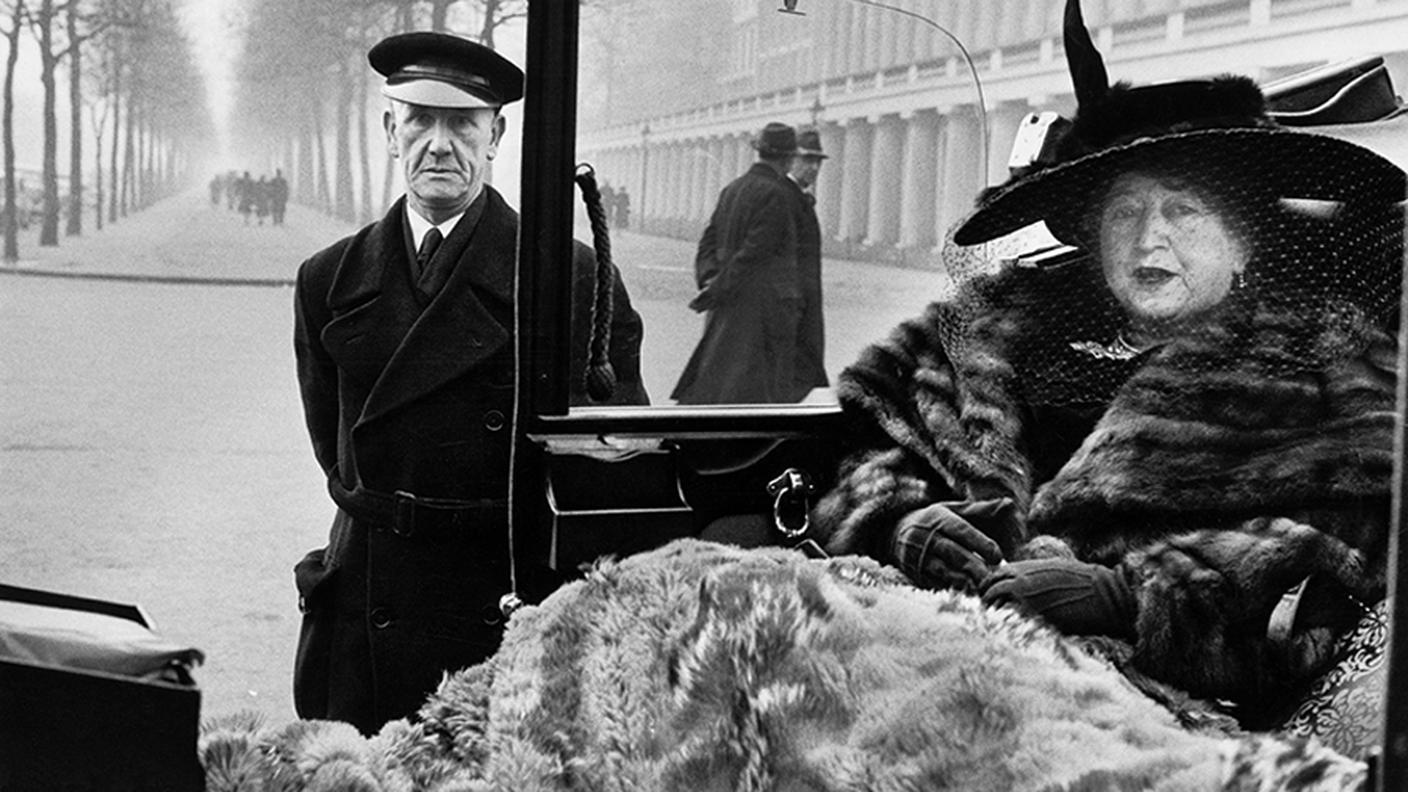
(444, 154)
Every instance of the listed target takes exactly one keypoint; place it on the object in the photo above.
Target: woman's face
(1168, 254)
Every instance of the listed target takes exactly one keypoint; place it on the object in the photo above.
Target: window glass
(916, 107)
(673, 102)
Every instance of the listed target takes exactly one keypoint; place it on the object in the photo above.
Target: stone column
(679, 179)
(886, 159)
(829, 181)
(857, 183)
(919, 180)
(645, 190)
(960, 176)
(726, 152)
(666, 180)
(700, 166)
(718, 173)
(686, 175)
(734, 161)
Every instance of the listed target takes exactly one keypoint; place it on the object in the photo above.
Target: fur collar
(1171, 449)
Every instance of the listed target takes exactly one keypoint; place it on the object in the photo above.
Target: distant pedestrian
(246, 196)
(278, 196)
(622, 217)
(811, 333)
(262, 192)
(608, 202)
(746, 271)
(217, 189)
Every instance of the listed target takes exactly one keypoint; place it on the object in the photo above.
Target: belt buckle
(403, 522)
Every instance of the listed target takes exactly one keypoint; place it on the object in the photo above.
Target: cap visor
(434, 93)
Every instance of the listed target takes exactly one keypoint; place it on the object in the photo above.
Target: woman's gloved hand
(1074, 597)
(954, 545)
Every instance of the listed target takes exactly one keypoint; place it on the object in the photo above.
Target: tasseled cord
(600, 376)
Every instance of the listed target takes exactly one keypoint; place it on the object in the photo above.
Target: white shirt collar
(421, 226)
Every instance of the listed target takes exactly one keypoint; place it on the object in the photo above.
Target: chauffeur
(404, 344)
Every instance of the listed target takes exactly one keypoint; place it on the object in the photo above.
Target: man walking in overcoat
(746, 272)
(404, 339)
(811, 330)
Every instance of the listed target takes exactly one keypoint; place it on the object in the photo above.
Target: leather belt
(411, 516)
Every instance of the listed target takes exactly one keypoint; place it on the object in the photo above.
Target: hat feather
(1088, 74)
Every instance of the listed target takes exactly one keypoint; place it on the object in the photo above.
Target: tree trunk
(49, 229)
(98, 177)
(307, 193)
(320, 160)
(486, 29)
(439, 11)
(141, 199)
(364, 157)
(117, 118)
(75, 117)
(342, 164)
(129, 154)
(11, 217)
(289, 160)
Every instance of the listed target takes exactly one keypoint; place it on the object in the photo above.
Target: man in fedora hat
(746, 272)
(404, 346)
(811, 332)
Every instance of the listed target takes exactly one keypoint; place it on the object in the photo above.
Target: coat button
(493, 420)
(381, 618)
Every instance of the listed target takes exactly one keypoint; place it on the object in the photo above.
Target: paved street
(151, 445)
(150, 438)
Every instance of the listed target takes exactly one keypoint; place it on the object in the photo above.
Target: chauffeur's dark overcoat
(410, 393)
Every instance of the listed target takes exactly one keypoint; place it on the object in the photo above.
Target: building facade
(917, 125)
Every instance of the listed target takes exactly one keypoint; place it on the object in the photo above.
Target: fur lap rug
(705, 667)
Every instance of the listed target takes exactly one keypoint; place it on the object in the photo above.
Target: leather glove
(942, 545)
(1074, 597)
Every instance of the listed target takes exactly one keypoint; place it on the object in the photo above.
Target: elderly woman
(1155, 438)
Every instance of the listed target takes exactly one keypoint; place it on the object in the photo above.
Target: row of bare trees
(129, 65)
(305, 91)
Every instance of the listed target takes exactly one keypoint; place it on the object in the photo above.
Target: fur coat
(699, 666)
(1213, 467)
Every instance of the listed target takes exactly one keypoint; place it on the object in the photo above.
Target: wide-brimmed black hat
(1221, 122)
(776, 140)
(440, 70)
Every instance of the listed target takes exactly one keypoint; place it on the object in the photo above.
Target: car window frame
(544, 297)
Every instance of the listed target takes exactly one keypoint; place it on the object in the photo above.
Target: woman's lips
(1151, 276)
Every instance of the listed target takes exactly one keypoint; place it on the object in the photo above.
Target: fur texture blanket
(704, 667)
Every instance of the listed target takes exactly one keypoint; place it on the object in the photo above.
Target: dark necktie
(428, 244)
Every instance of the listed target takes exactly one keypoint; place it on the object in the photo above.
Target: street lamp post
(790, 7)
(644, 170)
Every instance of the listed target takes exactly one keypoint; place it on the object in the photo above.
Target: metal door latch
(791, 506)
